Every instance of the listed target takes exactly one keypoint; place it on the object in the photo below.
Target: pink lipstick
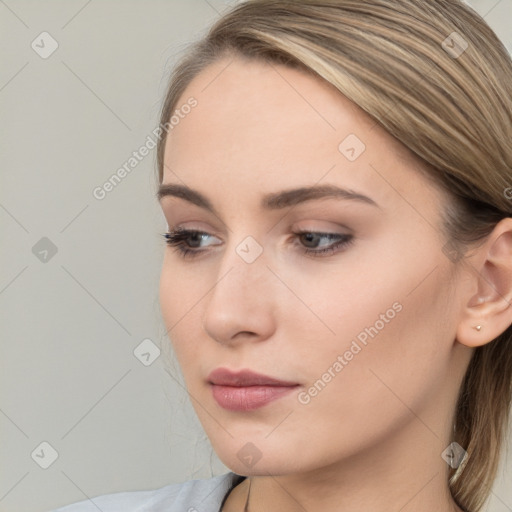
(246, 390)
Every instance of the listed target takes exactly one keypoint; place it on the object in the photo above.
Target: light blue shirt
(192, 496)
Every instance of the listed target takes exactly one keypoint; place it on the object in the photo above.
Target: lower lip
(248, 398)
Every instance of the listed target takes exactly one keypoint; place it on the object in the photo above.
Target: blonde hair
(435, 76)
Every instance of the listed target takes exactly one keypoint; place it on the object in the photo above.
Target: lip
(246, 390)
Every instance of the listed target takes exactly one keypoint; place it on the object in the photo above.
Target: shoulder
(204, 495)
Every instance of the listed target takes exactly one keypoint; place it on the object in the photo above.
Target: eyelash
(177, 237)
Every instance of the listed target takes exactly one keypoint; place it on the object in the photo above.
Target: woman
(336, 179)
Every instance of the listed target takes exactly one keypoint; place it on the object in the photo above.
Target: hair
(453, 111)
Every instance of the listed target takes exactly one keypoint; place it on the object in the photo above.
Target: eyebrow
(272, 201)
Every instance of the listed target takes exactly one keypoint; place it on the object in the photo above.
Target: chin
(248, 458)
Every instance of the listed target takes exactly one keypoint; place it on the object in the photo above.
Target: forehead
(258, 124)
(253, 90)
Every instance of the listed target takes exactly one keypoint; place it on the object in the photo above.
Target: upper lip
(225, 377)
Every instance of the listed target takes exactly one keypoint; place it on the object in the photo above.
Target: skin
(372, 438)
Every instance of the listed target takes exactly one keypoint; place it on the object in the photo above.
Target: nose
(241, 305)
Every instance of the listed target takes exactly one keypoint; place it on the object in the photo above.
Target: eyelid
(317, 208)
(186, 232)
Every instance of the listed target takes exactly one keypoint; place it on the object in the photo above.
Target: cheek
(180, 291)
(177, 299)
(183, 295)
(169, 306)
(391, 347)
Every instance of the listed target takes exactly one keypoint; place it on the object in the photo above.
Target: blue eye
(187, 241)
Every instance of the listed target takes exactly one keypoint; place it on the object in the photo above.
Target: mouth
(246, 390)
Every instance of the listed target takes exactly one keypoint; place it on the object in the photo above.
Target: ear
(491, 275)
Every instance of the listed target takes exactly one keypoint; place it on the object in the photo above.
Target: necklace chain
(246, 506)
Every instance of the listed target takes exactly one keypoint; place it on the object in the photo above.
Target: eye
(187, 242)
(312, 241)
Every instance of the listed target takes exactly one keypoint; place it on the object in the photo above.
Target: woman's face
(362, 333)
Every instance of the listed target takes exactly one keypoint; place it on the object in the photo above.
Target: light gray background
(70, 325)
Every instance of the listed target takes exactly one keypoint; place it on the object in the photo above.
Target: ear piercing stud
(477, 327)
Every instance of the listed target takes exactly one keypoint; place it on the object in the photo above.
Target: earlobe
(488, 313)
